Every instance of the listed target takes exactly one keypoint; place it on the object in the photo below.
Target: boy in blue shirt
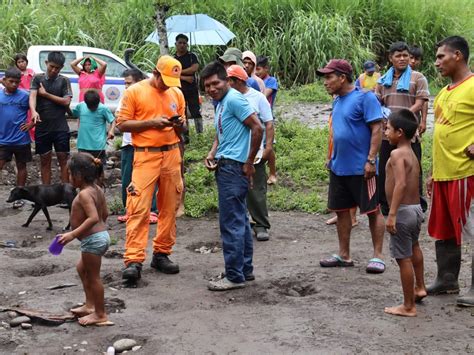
(92, 133)
(271, 89)
(14, 137)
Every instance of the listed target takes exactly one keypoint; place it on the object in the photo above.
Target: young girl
(91, 71)
(88, 215)
(27, 74)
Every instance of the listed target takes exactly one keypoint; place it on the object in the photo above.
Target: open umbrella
(200, 29)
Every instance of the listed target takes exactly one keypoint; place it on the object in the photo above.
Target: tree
(162, 7)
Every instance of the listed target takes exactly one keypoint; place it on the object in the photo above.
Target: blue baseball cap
(369, 66)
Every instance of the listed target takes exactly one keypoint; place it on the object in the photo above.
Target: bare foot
(419, 295)
(332, 220)
(180, 211)
(401, 310)
(82, 311)
(272, 179)
(355, 223)
(92, 319)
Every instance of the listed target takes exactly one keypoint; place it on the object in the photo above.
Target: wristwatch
(371, 161)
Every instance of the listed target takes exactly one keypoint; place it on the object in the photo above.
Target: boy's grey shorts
(409, 220)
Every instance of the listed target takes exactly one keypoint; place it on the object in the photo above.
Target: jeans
(234, 223)
(126, 158)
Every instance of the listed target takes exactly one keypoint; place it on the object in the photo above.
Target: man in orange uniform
(147, 111)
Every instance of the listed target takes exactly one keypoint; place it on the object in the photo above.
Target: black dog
(44, 196)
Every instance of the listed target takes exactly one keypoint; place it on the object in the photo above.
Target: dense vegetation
(298, 35)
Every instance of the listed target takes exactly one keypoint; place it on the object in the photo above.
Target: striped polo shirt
(396, 100)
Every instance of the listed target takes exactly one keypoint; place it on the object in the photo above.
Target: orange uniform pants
(149, 169)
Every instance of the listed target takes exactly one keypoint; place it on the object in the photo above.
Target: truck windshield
(70, 56)
(114, 68)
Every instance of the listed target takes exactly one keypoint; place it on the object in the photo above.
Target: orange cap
(236, 71)
(170, 70)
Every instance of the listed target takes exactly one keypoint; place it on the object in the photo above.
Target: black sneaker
(132, 272)
(162, 263)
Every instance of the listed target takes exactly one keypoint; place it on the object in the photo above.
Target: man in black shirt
(50, 97)
(189, 86)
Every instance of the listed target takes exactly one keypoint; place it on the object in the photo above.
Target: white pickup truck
(114, 83)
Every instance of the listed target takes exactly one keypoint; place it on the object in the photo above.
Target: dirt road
(294, 306)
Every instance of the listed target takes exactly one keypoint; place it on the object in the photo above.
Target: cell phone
(175, 119)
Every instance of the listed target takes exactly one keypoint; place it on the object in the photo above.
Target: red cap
(339, 65)
(236, 71)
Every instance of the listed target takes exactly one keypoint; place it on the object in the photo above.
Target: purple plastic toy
(55, 247)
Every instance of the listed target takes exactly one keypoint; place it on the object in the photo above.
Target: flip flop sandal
(375, 266)
(153, 218)
(100, 324)
(335, 261)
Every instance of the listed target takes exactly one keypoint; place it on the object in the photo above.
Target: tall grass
(297, 35)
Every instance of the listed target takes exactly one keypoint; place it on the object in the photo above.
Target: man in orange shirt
(153, 111)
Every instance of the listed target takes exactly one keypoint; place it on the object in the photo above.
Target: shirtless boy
(405, 215)
(88, 215)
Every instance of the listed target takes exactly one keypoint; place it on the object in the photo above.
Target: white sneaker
(224, 284)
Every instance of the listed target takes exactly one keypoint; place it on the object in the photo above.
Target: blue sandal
(375, 266)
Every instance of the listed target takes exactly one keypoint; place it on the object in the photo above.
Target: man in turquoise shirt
(232, 158)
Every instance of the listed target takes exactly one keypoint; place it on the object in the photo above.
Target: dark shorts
(408, 225)
(45, 141)
(346, 192)
(21, 152)
(100, 154)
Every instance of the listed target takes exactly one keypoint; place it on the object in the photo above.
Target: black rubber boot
(468, 299)
(133, 272)
(162, 263)
(448, 259)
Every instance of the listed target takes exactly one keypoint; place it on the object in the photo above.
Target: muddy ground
(294, 306)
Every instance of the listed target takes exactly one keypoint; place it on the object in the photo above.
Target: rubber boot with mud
(468, 299)
(448, 259)
(132, 272)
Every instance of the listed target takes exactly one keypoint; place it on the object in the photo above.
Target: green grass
(436, 87)
(115, 205)
(303, 178)
(117, 143)
(314, 92)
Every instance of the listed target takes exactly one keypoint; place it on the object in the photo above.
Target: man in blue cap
(368, 79)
